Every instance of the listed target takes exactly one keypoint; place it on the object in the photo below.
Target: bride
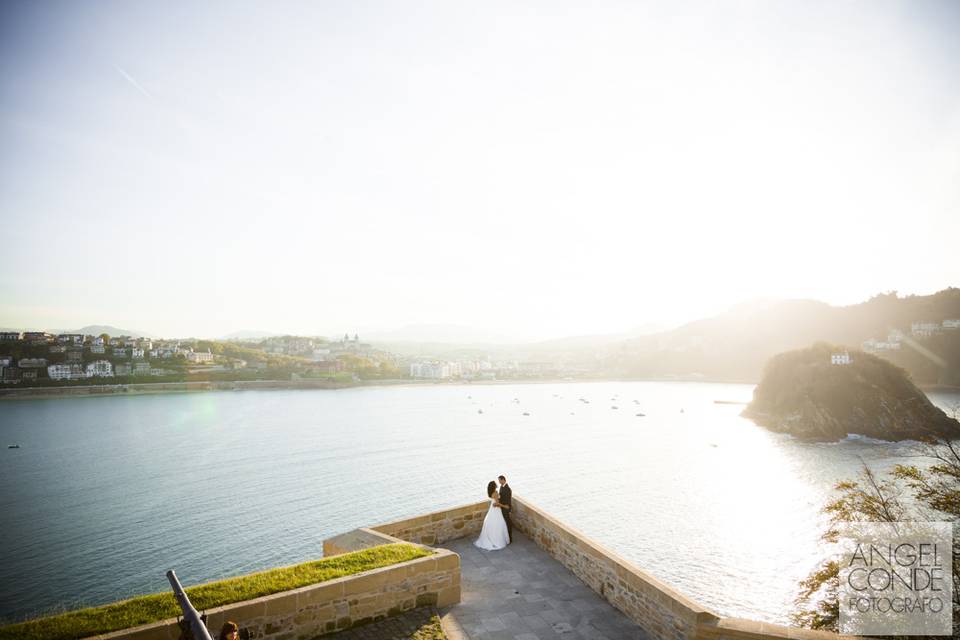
(494, 534)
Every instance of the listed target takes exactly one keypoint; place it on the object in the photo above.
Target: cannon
(192, 627)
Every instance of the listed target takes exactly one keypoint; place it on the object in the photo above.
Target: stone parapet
(438, 527)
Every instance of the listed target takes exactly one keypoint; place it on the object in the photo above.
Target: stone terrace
(521, 593)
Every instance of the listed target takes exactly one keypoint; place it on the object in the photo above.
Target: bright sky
(543, 169)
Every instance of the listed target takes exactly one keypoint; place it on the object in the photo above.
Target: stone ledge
(437, 527)
(356, 540)
(743, 629)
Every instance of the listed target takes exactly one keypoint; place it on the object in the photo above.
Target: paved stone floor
(521, 593)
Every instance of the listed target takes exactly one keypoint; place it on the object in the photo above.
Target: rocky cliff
(803, 393)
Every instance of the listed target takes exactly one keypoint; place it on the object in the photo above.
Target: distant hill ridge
(89, 330)
(736, 344)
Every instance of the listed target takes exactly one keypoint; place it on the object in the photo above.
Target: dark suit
(505, 495)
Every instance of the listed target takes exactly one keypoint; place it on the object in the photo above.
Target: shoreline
(157, 388)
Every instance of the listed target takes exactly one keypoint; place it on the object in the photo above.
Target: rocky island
(825, 393)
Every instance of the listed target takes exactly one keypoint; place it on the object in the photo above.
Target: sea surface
(106, 494)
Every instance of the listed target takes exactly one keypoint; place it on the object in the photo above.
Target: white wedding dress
(494, 534)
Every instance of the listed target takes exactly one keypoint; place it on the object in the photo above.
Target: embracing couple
(497, 529)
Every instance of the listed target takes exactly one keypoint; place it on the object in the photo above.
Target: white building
(98, 348)
(136, 352)
(165, 350)
(475, 366)
(430, 370)
(65, 372)
(840, 358)
(99, 369)
(924, 329)
(198, 356)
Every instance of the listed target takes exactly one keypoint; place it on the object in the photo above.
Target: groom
(507, 503)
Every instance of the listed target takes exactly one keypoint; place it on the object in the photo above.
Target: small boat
(614, 407)
(479, 410)
(640, 415)
(13, 446)
(681, 410)
(525, 413)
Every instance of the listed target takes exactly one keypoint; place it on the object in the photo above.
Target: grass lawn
(161, 606)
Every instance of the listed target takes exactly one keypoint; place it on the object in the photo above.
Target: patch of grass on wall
(430, 631)
(161, 606)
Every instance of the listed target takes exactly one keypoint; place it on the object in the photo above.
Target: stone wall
(740, 629)
(330, 606)
(439, 526)
(662, 612)
(356, 540)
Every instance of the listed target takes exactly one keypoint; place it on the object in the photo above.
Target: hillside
(735, 345)
(803, 393)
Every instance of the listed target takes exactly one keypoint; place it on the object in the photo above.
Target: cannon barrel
(190, 614)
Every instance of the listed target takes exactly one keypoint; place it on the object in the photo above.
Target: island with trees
(825, 393)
